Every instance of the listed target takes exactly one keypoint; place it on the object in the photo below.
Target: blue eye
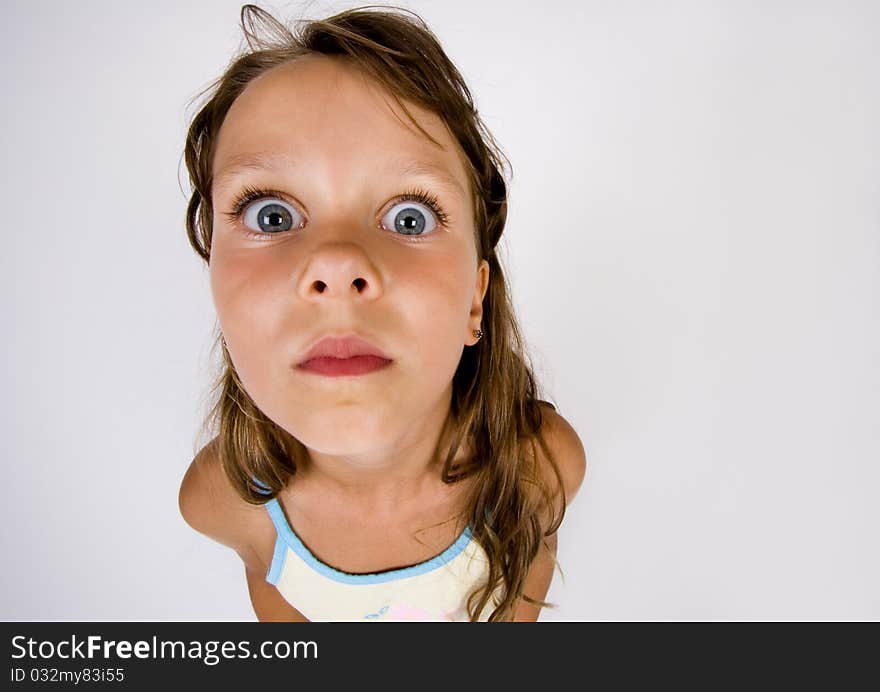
(407, 219)
(271, 218)
(412, 223)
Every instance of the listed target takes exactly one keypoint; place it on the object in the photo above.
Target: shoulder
(211, 506)
(568, 451)
(559, 440)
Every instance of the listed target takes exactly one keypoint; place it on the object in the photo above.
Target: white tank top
(436, 589)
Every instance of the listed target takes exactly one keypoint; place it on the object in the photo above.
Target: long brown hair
(495, 402)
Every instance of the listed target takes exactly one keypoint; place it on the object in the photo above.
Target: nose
(340, 272)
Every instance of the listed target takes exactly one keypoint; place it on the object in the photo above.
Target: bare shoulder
(564, 444)
(210, 505)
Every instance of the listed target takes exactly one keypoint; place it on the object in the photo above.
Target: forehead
(318, 109)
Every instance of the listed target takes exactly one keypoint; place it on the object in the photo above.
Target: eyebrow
(278, 161)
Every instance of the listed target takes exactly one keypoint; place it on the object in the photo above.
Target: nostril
(359, 283)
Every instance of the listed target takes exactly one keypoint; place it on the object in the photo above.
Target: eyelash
(249, 195)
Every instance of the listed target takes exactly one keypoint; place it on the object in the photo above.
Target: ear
(480, 288)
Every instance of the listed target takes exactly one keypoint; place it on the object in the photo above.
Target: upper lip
(342, 347)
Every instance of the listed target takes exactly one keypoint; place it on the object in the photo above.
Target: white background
(694, 248)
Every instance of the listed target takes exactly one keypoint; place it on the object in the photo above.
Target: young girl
(381, 452)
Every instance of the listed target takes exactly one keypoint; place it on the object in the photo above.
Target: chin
(346, 430)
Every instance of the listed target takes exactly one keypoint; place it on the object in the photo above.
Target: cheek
(228, 282)
(248, 326)
(437, 302)
(440, 279)
(241, 293)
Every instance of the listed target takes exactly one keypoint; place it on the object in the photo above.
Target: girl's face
(332, 255)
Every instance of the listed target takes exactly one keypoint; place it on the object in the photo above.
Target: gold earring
(478, 334)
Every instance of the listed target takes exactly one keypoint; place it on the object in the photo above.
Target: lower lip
(342, 367)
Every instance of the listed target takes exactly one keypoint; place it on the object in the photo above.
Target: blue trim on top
(292, 541)
(266, 490)
(278, 559)
(279, 555)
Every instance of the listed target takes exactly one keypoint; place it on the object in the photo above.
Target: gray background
(694, 246)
